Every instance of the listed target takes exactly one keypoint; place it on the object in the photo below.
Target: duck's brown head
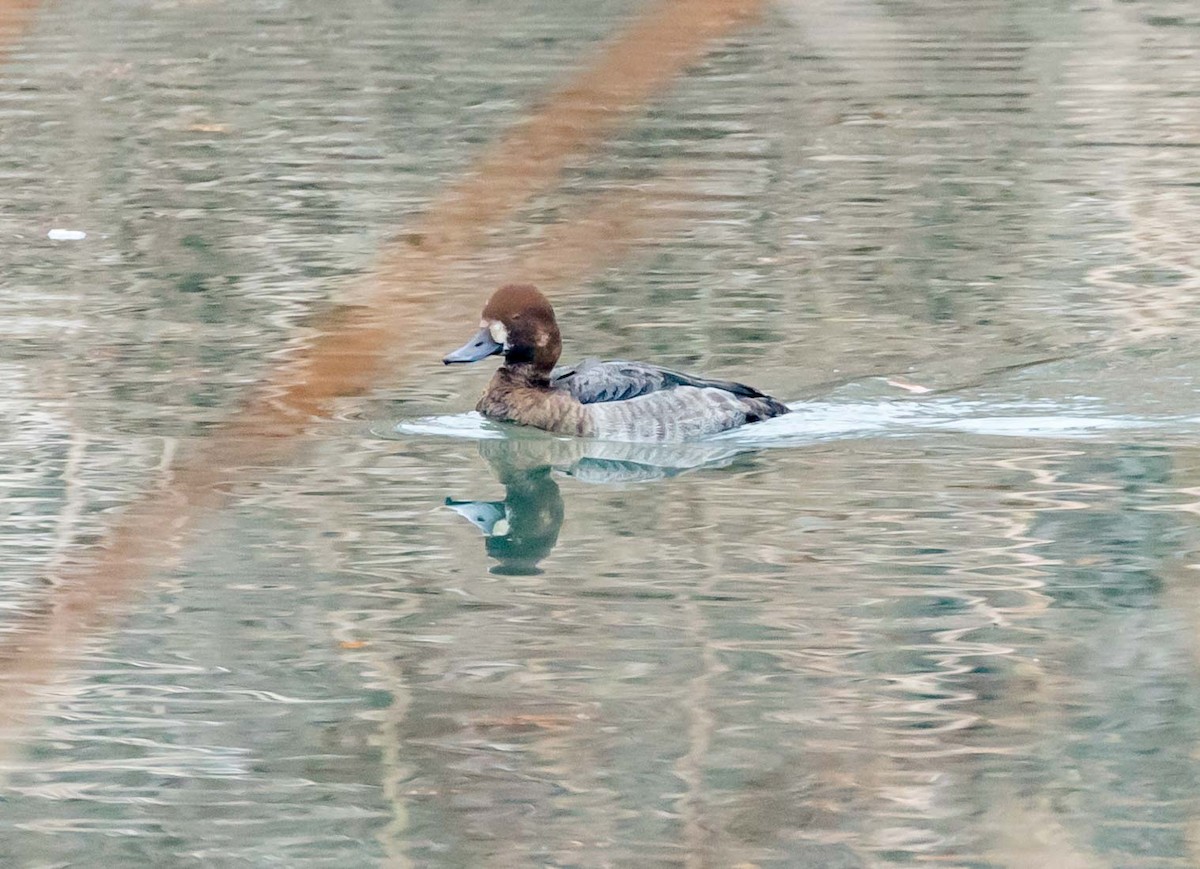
(518, 321)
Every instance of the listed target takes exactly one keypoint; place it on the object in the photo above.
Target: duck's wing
(683, 413)
(593, 382)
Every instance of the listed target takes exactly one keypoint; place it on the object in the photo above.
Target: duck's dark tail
(760, 407)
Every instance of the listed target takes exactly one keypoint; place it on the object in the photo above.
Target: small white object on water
(66, 235)
(911, 387)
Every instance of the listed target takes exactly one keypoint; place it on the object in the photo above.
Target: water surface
(941, 615)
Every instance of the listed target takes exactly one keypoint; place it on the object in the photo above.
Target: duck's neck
(522, 374)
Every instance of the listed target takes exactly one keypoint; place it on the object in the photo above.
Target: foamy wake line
(820, 421)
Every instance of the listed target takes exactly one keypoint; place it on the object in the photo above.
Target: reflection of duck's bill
(490, 517)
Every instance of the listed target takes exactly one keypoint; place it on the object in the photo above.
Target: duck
(610, 400)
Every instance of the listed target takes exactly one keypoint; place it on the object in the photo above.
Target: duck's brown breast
(539, 407)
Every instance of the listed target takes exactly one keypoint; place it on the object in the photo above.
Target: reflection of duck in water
(522, 529)
(624, 401)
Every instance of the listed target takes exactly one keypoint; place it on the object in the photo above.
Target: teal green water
(944, 614)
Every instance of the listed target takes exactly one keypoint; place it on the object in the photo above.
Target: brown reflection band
(15, 18)
(417, 280)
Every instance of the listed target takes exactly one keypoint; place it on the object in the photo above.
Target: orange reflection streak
(15, 18)
(416, 284)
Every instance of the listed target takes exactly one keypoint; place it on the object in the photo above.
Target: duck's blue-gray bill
(479, 347)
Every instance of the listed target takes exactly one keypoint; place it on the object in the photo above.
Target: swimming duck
(617, 400)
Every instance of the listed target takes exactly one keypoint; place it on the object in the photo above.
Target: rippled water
(942, 614)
